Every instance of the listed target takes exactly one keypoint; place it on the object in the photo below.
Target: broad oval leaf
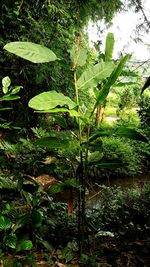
(6, 82)
(52, 142)
(50, 100)
(92, 76)
(30, 51)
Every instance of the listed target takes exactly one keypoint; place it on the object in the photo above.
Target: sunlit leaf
(16, 90)
(33, 52)
(95, 74)
(109, 46)
(50, 100)
(6, 82)
(80, 58)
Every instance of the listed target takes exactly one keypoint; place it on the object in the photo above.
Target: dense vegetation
(72, 119)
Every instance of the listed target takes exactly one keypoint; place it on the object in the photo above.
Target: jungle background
(41, 223)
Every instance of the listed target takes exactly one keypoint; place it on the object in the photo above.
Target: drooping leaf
(5, 223)
(109, 46)
(6, 82)
(30, 51)
(50, 100)
(99, 134)
(93, 75)
(130, 133)
(111, 80)
(52, 142)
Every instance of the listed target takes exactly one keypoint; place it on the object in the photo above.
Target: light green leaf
(52, 142)
(109, 46)
(81, 56)
(50, 100)
(33, 52)
(6, 82)
(15, 90)
(111, 80)
(9, 97)
(92, 76)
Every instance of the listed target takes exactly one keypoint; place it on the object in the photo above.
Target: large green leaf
(50, 100)
(130, 133)
(52, 142)
(111, 80)
(92, 76)
(33, 52)
(109, 46)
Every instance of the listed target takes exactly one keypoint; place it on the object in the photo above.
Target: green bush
(122, 149)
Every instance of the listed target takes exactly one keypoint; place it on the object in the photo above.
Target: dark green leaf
(130, 133)
(52, 142)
